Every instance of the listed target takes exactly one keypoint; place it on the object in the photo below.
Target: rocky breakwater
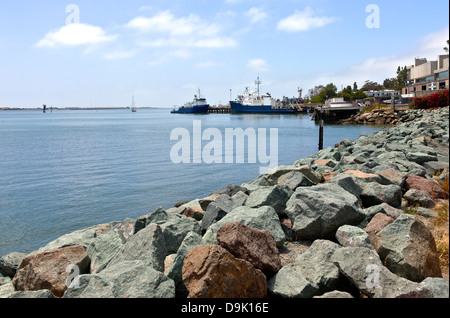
(383, 116)
(333, 225)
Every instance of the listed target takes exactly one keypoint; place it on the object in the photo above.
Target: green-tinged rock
(317, 212)
(103, 249)
(408, 249)
(374, 194)
(288, 283)
(316, 266)
(363, 267)
(128, 279)
(175, 272)
(275, 196)
(148, 246)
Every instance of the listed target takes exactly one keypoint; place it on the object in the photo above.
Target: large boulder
(316, 266)
(375, 193)
(378, 222)
(408, 249)
(289, 283)
(275, 196)
(216, 210)
(213, 272)
(128, 279)
(147, 245)
(317, 212)
(255, 246)
(175, 271)
(420, 198)
(264, 218)
(48, 270)
(431, 187)
(82, 237)
(363, 267)
(295, 179)
(9, 263)
(174, 228)
(103, 249)
(348, 235)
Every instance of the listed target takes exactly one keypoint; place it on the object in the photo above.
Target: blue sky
(163, 51)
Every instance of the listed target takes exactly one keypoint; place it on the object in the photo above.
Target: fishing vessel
(251, 102)
(198, 106)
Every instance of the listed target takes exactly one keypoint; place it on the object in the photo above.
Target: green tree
(331, 91)
(355, 87)
(402, 77)
(371, 86)
(446, 47)
(390, 83)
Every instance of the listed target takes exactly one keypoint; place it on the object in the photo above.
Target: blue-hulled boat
(197, 106)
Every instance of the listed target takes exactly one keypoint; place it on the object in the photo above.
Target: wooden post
(321, 130)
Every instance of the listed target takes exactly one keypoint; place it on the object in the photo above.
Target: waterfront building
(427, 77)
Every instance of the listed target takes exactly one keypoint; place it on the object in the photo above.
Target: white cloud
(256, 15)
(209, 64)
(74, 35)
(167, 30)
(380, 68)
(258, 65)
(303, 21)
(119, 55)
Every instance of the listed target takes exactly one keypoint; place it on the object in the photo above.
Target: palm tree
(446, 48)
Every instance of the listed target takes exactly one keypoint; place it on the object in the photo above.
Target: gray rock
(348, 182)
(147, 245)
(348, 235)
(103, 249)
(317, 212)
(9, 263)
(374, 193)
(82, 237)
(7, 290)
(295, 179)
(175, 230)
(128, 279)
(191, 241)
(217, 210)
(33, 294)
(305, 170)
(418, 197)
(363, 267)
(264, 218)
(418, 157)
(438, 286)
(275, 196)
(288, 283)
(335, 294)
(239, 199)
(316, 266)
(408, 249)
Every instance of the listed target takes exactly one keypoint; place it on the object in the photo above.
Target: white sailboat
(133, 106)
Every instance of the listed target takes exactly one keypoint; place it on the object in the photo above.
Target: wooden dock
(219, 110)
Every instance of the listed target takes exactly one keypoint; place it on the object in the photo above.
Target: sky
(98, 53)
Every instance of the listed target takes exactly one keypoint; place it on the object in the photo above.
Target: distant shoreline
(71, 108)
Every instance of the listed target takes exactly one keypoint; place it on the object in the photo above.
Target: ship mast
(258, 82)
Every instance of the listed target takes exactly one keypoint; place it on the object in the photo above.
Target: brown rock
(328, 175)
(393, 176)
(255, 246)
(194, 212)
(431, 187)
(212, 272)
(378, 222)
(48, 270)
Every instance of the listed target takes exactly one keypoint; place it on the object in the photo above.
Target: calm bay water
(69, 170)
